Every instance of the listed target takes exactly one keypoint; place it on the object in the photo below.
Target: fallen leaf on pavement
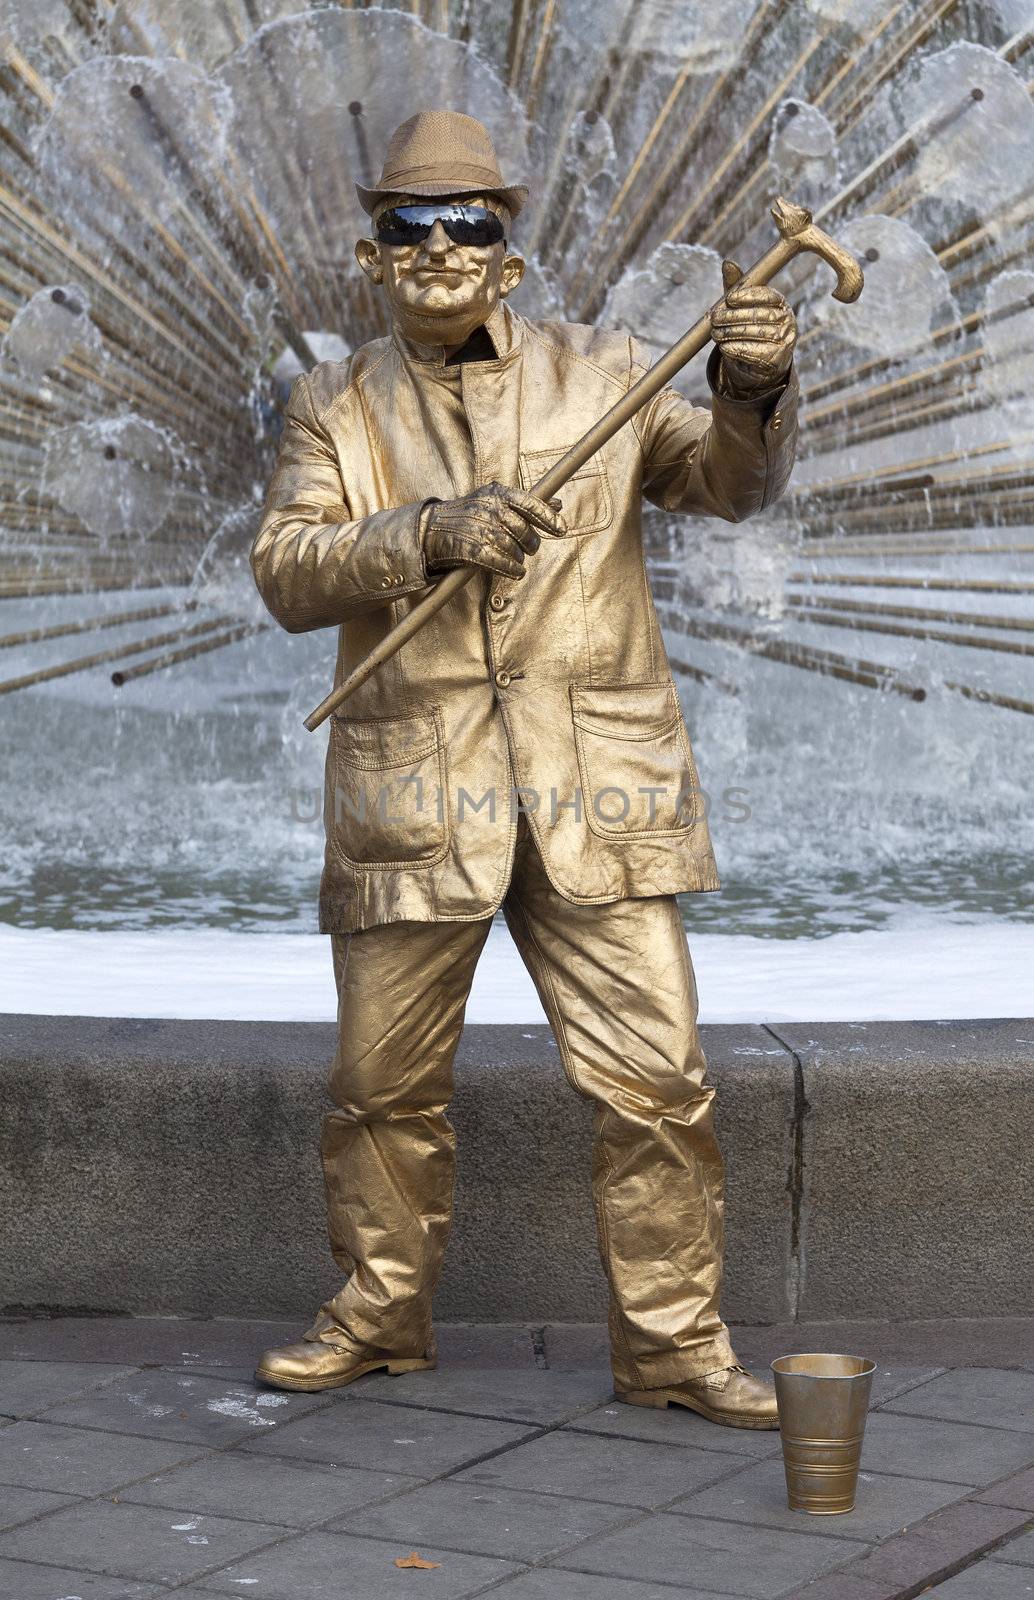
(413, 1560)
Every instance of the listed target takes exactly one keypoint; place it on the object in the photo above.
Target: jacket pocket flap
(536, 463)
(625, 710)
(585, 496)
(377, 743)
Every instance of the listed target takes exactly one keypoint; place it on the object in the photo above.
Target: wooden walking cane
(797, 235)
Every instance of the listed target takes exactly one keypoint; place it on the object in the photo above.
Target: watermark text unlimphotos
(409, 799)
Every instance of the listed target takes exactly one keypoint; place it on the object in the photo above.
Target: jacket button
(503, 679)
(385, 583)
(776, 423)
(497, 602)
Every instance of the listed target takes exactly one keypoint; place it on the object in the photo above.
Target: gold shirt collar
(504, 328)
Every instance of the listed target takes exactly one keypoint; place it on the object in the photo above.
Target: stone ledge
(917, 1179)
(172, 1167)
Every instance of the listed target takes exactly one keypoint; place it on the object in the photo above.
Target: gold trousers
(617, 985)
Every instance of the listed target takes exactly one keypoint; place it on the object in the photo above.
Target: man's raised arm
(735, 460)
(729, 462)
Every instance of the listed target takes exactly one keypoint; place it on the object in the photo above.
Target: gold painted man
(525, 750)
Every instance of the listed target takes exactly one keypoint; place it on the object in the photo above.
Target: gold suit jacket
(552, 692)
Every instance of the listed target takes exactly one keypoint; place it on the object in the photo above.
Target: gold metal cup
(823, 1401)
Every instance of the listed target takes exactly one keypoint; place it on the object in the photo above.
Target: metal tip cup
(823, 1401)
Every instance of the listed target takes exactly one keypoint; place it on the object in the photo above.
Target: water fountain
(177, 217)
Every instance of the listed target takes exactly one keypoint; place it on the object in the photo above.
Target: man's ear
(368, 255)
(513, 272)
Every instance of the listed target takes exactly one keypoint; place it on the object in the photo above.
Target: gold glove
(755, 331)
(493, 526)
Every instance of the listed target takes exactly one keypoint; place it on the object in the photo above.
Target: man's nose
(437, 242)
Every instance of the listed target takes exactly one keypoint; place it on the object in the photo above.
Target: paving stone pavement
(139, 1459)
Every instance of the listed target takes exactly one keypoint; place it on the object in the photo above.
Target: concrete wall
(918, 1161)
(872, 1170)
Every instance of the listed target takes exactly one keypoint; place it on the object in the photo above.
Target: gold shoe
(732, 1396)
(321, 1364)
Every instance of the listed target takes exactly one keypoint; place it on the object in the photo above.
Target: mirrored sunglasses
(463, 224)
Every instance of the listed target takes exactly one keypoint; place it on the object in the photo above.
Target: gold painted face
(439, 292)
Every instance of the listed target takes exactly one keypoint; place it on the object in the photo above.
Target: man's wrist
(729, 384)
(423, 518)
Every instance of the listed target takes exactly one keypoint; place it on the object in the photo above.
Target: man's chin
(442, 325)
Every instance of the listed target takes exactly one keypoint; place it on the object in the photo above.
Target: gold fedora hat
(442, 152)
